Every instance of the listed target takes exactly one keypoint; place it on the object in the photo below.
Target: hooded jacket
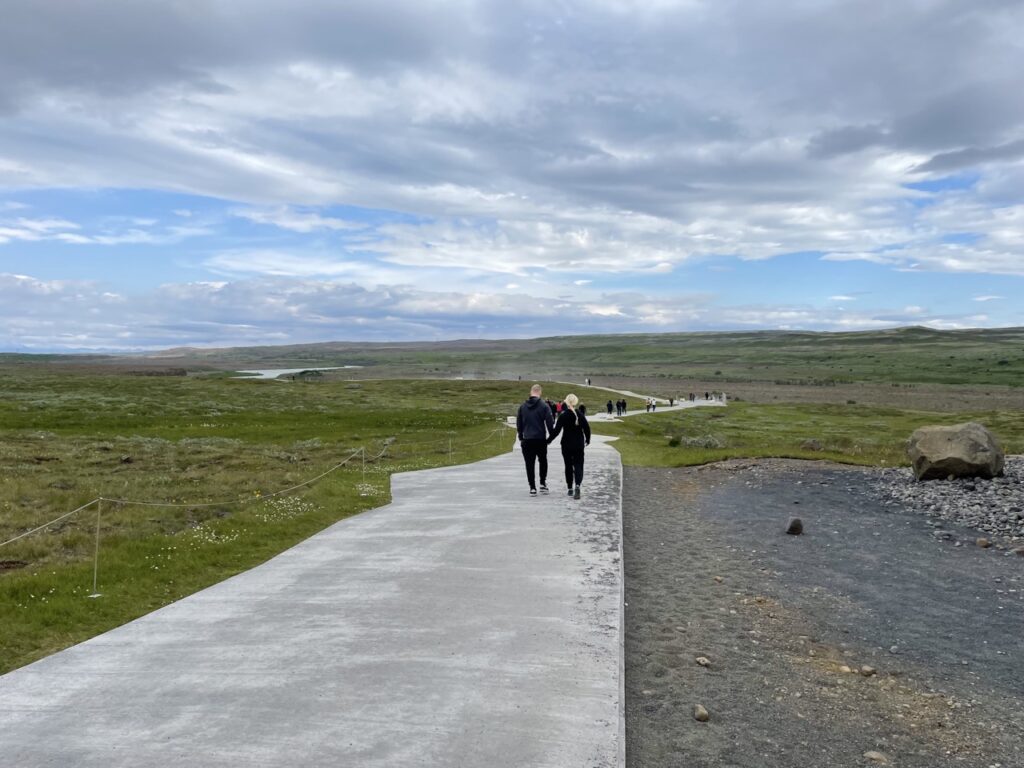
(534, 420)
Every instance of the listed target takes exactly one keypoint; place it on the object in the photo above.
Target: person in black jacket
(533, 424)
(572, 423)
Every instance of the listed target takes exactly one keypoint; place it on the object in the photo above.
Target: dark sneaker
(576, 493)
(543, 488)
(533, 491)
(569, 493)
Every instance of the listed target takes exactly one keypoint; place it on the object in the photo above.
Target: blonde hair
(571, 401)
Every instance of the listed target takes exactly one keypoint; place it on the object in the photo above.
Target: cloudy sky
(222, 172)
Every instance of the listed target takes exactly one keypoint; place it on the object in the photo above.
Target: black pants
(535, 450)
(573, 458)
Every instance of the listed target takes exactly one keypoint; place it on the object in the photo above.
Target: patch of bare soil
(863, 641)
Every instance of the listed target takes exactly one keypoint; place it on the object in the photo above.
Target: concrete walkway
(465, 624)
(596, 412)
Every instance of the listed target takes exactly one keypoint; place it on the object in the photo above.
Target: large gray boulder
(963, 450)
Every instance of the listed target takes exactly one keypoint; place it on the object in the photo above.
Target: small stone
(983, 542)
(796, 527)
(845, 669)
(894, 649)
(719, 579)
(1019, 551)
(700, 714)
(703, 661)
(868, 671)
(878, 758)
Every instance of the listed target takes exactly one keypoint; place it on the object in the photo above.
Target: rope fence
(237, 501)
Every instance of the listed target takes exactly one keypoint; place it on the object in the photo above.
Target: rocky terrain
(865, 640)
(993, 507)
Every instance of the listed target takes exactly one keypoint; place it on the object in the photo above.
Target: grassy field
(852, 434)
(214, 446)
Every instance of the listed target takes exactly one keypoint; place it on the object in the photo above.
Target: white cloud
(277, 263)
(504, 142)
(988, 298)
(518, 146)
(296, 221)
(138, 232)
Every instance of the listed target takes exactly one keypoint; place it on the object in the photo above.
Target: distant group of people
(561, 405)
(537, 427)
(651, 404)
(719, 396)
(619, 406)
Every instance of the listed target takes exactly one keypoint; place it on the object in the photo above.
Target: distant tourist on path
(533, 424)
(572, 424)
(609, 407)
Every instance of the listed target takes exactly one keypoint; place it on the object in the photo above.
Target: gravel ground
(994, 506)
(785, 624)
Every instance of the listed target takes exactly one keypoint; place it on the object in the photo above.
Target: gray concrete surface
(465, 624)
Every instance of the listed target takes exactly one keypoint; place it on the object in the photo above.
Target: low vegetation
(853, 434)
(215, 447)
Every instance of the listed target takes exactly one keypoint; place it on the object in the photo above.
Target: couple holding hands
(537, 429)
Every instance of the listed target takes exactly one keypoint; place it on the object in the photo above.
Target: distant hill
(913, 354)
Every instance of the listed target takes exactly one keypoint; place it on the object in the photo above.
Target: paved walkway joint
(465, 624)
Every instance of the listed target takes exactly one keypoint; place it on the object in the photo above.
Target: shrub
(704, 441)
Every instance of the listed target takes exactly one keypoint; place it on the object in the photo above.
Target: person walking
(609, 407)
(575, 430)
(533, 424)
